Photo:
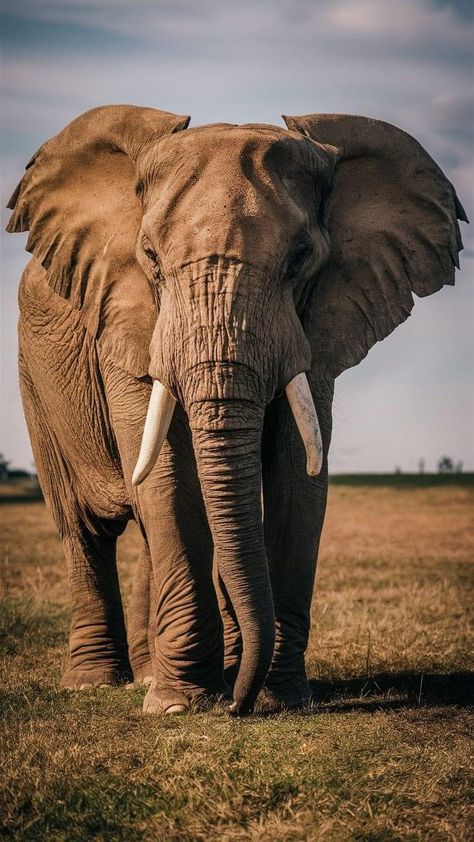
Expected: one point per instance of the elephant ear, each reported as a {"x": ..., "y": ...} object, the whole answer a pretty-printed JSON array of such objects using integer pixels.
[
  {"x": 78, "y": 201},
  {"x": 392, "y": 222}
]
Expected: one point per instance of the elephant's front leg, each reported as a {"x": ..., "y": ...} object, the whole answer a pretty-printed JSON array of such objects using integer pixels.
[
  {"x": 294, "y": 508},
  {"x": 140, "y": 642},
  {"x": 97, "y": 640},
  {"x": 188, "y": 661},
  {"x": 188, "y": 640}
]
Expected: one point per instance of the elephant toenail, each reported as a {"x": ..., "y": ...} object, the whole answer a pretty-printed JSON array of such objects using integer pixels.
[{"x": 176, "y": 709}]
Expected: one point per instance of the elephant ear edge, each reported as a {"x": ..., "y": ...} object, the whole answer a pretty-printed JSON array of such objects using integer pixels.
[
  {"x": 392, "y": 222},
  {"x": 78, "y": 201}
]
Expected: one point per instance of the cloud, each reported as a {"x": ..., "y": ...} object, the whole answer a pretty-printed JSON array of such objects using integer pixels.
[
  {"x": 408, "y": 25},
  {"x": 349, "y": 55},
  {"x": 406, "y": 22}
]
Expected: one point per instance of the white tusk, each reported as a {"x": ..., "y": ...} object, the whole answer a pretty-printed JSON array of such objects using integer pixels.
[
  {"x": 157, "y": 424},
  {"x": 304, "y": 412}
]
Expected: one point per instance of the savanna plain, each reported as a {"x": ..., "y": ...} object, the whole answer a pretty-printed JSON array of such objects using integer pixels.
[{"x": 382, "y": 755}]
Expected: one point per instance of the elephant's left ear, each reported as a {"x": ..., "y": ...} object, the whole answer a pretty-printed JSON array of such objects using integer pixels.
[{"x": 392, "y": 220}]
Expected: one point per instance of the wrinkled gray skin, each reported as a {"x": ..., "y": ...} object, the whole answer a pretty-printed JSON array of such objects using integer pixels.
[{"x": 223, "y": 261}]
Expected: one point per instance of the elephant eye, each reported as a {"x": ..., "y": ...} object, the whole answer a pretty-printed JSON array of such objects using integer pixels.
[
  {"x": 150, "y": 253},
  {"x": 296, "y": 259}
]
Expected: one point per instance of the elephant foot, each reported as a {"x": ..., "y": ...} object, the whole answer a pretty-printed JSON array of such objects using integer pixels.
[
  {"x": 142, "y": 675},
  {"x": 165, "y": 700},
  {"x": 278, "y": 694},
  {"x": 141, "y": 682},
  {"x": 272, "y": 701},
  {"x": 168, "y": 700},
  {"x": 81, "y": 678}
]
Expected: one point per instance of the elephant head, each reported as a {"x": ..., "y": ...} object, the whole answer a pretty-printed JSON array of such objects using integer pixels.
[{"x": 227, "y": 261}]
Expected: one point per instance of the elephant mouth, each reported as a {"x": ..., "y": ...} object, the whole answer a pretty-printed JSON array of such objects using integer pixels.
[{"x": 160, "y": 414}]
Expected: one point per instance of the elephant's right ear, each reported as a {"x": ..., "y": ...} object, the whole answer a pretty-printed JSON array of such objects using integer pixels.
[{"x": 78, "y": 200}]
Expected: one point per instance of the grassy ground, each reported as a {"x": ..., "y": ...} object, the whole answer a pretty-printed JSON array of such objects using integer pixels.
[
  {"x": 384, "y": 755},
  {"x": 20, "y": 491}
]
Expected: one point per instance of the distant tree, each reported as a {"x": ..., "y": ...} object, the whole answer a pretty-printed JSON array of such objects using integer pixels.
[
  {"x": 445, "y": 465},
  {"x": 459, "y": 467},
  {"x": 398, "y": 469},
  {"x": 4, "y": 467},
  {"x": 421, "y": 466},
  {"x": 19, "y": 473}
]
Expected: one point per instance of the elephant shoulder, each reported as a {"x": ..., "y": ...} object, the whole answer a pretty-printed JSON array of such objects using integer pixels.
[
  {"x": 127, "y": 315},
  {"x": 36, "y": 299}
]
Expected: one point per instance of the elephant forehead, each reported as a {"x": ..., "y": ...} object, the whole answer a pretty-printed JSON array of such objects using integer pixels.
[
  {"x": 243, "y": 191},
  {"x": 251, "y": 180},
  {"x": 235, "y": 156}
]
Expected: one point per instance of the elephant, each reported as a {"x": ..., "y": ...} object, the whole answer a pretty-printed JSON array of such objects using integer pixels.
[{"x": 192, "y": 295}]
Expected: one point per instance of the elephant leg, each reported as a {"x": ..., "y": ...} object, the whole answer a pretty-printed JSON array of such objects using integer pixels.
[
  {"x": 188, "y": 644},
  {"x": 186, "y": 627},
  {"x": 294, "y": 509},
  {"x": 139, "y": 615},
  {"x": 98, "y": 652},
  {"x": 97, "y": 640}
]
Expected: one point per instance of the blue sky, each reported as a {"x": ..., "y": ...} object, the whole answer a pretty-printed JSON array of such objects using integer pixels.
[{"x": 408, "y": 62}]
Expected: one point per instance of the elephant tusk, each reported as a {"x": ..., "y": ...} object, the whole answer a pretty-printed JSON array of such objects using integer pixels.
[
  {"x": 304, "y": 412},
  {"x": 157, "y": 424}
]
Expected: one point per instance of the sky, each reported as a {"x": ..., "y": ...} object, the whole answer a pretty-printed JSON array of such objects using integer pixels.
[{"x": 408, "y": 62}]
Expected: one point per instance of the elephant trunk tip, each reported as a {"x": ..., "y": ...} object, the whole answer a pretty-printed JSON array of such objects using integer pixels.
[{"x": 238, "y": 711}]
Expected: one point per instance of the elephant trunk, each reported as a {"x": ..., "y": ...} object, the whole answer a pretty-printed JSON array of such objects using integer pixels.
[{"x": 229, "y": 468}]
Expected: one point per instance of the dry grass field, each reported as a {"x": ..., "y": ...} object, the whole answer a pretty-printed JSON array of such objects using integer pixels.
[{"x": 383, "y": 755}]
